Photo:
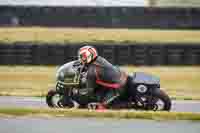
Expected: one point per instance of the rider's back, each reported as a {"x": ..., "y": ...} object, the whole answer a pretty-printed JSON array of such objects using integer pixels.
[{"x": 103, "y": 73}]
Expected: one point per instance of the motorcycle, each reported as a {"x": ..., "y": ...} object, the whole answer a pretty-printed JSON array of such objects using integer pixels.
[{"x": 143, "y": 91}]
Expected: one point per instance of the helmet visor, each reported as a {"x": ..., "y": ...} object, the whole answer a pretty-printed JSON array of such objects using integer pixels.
[{"x": 83, "y": 58}]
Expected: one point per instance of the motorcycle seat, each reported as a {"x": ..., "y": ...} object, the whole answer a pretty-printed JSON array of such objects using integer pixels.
[{"x": 144, "y": 78}]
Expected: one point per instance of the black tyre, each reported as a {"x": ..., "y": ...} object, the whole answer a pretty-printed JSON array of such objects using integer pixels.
[
  {"x": 55, "y": 100},
  {"x": 49, "y": 98},
  {"x": 160, "y": 95}
]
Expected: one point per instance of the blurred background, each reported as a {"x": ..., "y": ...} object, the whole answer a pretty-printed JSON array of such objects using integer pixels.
[{"x": 161, "y": 37}]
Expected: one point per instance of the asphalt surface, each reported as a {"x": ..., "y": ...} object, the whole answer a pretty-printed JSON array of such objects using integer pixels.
[
  {"x": 28, "y": 124},
  {"x": 92, "y": 125},
  {"x": 10, "y": 101}
]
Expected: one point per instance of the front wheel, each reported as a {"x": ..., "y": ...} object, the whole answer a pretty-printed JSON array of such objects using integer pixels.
[
  {"x": 52, "y": 98},
  {"x": 56, "y": 100}
]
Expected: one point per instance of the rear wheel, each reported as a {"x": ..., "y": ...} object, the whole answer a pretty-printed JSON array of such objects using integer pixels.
[
  {"x": 161, "y": 101},
  {"x": 158, "y": 101}
]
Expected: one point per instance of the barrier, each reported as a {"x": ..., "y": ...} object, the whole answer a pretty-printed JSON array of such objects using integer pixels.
[
  {"x": 112, "y": 17},
  {"x": 126, "y": 54}
]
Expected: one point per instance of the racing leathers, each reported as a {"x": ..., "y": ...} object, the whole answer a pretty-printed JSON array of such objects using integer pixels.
[{"x": 107, "y": 80}]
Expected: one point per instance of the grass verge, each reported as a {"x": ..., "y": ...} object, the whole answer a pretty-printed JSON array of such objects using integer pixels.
[
  {"x": 97, "y": 35},
  {"x": 125, "y": 114},
  {"x": 181, "y": 83}
]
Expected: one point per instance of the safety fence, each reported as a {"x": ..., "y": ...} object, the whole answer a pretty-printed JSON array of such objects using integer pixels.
[
  {"x": 126, "y": 54},
  {"x": 112, "y": 17}
]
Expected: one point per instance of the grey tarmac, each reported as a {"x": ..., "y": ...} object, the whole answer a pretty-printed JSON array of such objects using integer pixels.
[
  {"x": 92, "y": 125},
  {"x": 36, "y": 124},
  {"x": 13, "y": 101}
]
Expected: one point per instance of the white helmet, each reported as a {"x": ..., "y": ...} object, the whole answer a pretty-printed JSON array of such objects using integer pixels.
[{"x": 87, "y": 54}]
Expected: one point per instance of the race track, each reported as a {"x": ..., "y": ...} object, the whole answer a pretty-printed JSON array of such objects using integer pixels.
[
  {"x": 10, "y": 101},
  {"x": 91, "y": 125}
]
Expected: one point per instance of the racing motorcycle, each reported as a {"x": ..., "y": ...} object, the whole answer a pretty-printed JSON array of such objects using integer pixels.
[{"x": 143, "y": 91}]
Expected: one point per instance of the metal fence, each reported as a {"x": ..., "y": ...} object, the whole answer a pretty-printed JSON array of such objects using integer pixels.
[
  {"x": 116, "y": 17},
  {"x": 126, "y": 54}
]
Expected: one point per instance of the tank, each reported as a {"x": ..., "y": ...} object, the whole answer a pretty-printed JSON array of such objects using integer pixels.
[{"x": 68, "y": 73}]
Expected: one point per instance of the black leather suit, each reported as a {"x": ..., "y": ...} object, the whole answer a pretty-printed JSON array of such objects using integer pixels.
[{"x": 107, "y": 80}]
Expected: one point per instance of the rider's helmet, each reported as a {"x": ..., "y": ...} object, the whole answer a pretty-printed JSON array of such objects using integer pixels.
[{"x": 87, "y": 54}]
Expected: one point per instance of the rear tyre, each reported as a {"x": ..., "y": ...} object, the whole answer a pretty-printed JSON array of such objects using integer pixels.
[{"x": 161, "y": 96}]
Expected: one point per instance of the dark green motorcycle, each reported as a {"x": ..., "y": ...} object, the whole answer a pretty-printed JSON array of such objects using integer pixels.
[{"x": 143, "y": 91}]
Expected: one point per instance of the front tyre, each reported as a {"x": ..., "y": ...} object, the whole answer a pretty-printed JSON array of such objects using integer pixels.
[
  {"x": 161, "y": 101},
  {"x": 56, "y": 100},
  {"x": 52, "y": 99}
]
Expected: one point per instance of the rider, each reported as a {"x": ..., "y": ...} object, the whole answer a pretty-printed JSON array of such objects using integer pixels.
[{"x": 105, "y": 79}]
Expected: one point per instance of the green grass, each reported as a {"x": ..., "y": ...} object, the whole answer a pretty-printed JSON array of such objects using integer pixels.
[
  {"x": 125, "y": 114},
  {"x": 178, "y": 3},
  {"x": 77, "y": 35},
  {"x": 178, "y": 82}
]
